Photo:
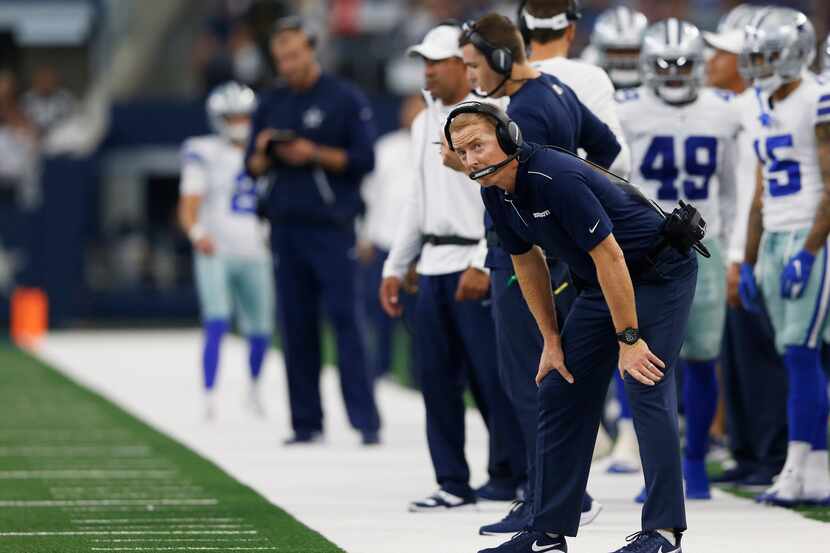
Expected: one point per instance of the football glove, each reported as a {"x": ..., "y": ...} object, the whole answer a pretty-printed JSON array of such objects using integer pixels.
[
  {"x": 796, "y": 274},
  {"x": 748, "y": 289}
]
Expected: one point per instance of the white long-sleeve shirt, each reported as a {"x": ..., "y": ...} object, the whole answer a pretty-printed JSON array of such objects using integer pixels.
[
  {"x": 745, "y": 173},
  {"x": 593, "y": 87},
  {"x": 442, "y": 202},
  {"x": 386, "y": 189}
]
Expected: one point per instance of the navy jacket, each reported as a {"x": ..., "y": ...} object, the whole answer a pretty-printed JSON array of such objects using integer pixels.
[
  {"x": 563, "y": 205},
  {"x": 332, "y": 113},
  {"x": 549, "y": 113}
]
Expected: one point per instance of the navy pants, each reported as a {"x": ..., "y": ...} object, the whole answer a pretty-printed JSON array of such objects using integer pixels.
[
  {"x": 754, "y": 384},
  {"x": 455, "y": 346},
  {"x": 569, "y": 414},
  {"x": 378, "y": 324},
  {"x": 316, "y": 269}
]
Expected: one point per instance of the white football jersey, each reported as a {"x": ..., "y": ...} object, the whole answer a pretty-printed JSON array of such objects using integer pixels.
[
  {"x": 593, "y": 87},
  {"x": 684, "y": 152},
  {"x": 783, "y": 137},
  {"x": 213, "y": 168}
]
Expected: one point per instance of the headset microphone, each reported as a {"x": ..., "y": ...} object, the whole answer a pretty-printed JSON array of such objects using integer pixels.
[{"x": 490, "y": 169}]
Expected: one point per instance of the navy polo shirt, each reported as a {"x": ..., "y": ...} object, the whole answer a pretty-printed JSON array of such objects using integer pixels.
[
  {"x": 332, "y": 113},
  {"x": 549, "y": 113},
  {"x": 567, "y": 208}
]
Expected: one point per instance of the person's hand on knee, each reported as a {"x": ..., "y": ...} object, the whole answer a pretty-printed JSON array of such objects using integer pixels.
[
  {"x": 638, "y": 361},
  {"x": 553, "y": 359}
]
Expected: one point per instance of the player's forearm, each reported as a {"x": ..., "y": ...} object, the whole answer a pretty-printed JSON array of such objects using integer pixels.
[
  {"x": 188, "y": 213},
  {"x": 615, "y": 282},
  {"x": 755, "y": 224},
  {"x": 258, "y": 164},
  {"x": 331, "y": 159},
  {"x": 534, "y": 281}
]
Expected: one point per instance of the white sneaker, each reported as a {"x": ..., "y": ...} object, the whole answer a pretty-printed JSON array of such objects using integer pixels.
[
  {"x": 603, "y": 446},
  {"x": 254, "y": 402},
  {"x": 588, "y": 516},
  {"x": 787, "y": 490},
  {"x": 210, "y": 406},
  {"x": 817, "y": 478},
  {"x": 625, "y": 459}
]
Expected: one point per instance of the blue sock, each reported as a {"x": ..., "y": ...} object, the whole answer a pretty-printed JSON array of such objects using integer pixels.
[
  {"x": 258, "y": 347},
  {"x": 214, "y": 330},
  {"x": 804, "y": 402},
  {"x": 820, "y": 440},
  {"x": 700, "y": 397},
  {"x": 625, "y": 407}
]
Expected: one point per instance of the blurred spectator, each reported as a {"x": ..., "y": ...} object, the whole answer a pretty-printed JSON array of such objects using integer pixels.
[
  {"x": 18, "y": 148},
  {"x": 384, "y": 192},
  {"x": 47, "y": 102}
]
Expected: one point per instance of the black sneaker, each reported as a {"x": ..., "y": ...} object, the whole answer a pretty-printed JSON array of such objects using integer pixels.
[
  {"x": 300, "y": 438},
  {"x": 531, "y": 542},
  {"x": 516, "y": 520},
  {"x": 441, "y": 502},
  {"x": 649, "y": 541}
]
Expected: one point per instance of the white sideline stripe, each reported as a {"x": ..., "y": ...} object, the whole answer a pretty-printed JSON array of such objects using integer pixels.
[
  {"x": 85, "y": 474},
  {"x": 154, "y": 521},
  {"x": 63, "y": 451},
  {"x": 104, "y": 502},
  {"x": 176, "y": 526},
  {"x": 184, "y": 548},
  {"x": 212, "y": 539},
  {"x": 47, "y": 533}
]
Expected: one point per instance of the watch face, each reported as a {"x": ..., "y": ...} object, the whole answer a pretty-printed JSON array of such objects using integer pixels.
[{"x": 630, "y": 335}]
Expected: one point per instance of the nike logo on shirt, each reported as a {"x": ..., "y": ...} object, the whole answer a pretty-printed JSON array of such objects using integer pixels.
[
  {"x": 593, "y": 228},
  {"x": 538, "y": 549}
]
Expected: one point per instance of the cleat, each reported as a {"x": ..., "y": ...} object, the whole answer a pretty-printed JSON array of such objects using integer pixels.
[
  {"x": 817, "y": 479},
  {"x": 625, "y": 459},
  {"x": 494, "y": 490},
  {"x": 786, "y": 492},
  {"x": 697, "y": 482},
  {"x": 441, "y": 502},
  {"x": 516, "y": 520},
  {"x": 531, "y": 542},
  {"x": 649, "y": 541},
  {"x": 304, "y": 438},
  {"x": 590, "y": 510},
  {"x": 370, "y": 437}
]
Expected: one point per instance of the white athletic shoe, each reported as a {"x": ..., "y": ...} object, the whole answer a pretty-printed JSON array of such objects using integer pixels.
[
  {"x": 588, "y": 516},
  {"x": 625, "y": 459},
  {"x": 603, "y": 446},
  {"x": 254, "y": 402},
  {"x": 210, "y": 406},
  {"x": 817, "y": 479},
  {"x": 787, "y": 491}
]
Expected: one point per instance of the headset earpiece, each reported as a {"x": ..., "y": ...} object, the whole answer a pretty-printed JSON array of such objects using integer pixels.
[{"x": 499, "y": 59}]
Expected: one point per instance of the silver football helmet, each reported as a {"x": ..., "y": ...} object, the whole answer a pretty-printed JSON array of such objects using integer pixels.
[
  {"x": 231, "y": 99},
  {"x": 616, "y": 38},
  {"x": 671, "y": 60},
  {"x": 779, "y": 45}
]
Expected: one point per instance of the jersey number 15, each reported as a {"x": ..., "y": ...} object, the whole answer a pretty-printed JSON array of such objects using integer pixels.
[
  {"x": 700, "y": 160},
  {"x": 788, "y": 171}
]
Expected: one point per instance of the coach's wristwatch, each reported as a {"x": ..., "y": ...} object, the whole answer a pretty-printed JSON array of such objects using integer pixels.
[{"x": 629, "y": 336}]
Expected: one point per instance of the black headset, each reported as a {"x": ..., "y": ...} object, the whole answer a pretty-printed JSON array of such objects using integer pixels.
[
  {"x": 295, "y": 23},
  {"x": 508, "y": 134},
  {"x": 499, "y": 58}
]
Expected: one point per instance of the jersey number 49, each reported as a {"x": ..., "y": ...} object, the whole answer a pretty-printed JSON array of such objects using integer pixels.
[{"x": 699, "y": 162}]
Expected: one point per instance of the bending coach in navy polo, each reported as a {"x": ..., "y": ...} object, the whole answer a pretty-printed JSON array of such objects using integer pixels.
[
  {"x": 631, "y": 313},
  {"x": 313, "y": 134}
]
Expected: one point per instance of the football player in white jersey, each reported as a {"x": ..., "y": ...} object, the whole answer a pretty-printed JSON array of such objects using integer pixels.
[
  {"x": 548, "y": 26},
  {"x": 217, "y": 210},
  {"x": 681, "y": 136},
  {"x": 616, "y": 39},
  {"x": 787, "y": 234}
]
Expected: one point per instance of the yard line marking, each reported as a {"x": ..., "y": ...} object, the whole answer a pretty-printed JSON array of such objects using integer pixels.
[
  {"x": 46, "y": 533},
  {"x": 160, "y": 521},
  {"x": 86, "y": 474},
  {"x": 185, "y": 548},
  {"x": 106, "y": 502},
  {"x": 65, "y": 451},
  {"x": 212, "y": 539}
]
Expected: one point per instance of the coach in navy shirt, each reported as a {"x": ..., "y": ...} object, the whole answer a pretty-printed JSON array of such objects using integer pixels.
[
  {"x": 312, "y": 134},
  {"x": 631, "y": 314}
]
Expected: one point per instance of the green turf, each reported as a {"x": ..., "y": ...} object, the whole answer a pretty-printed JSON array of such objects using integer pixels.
[
  {"x": 817, "y": 513},
  {"x": 119, "y": 485}
]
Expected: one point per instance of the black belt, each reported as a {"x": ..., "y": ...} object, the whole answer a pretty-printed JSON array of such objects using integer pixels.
[{"x": 449, "y": 240}]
